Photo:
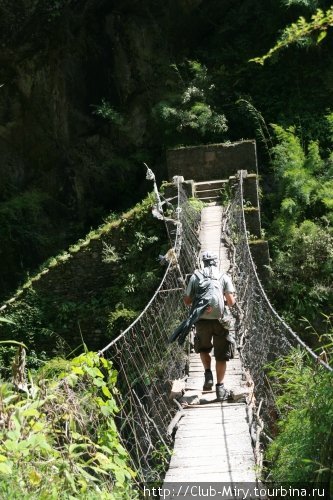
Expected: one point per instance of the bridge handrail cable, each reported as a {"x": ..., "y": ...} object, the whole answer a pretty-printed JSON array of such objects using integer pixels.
[
  {"x": 145, "y": 362},
  {"x": 298, "y": 340}
]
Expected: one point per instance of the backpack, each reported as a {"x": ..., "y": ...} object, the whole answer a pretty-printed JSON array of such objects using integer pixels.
[
  {"x": 209, "y": 292},
  {"x": 208, "y": 300}
]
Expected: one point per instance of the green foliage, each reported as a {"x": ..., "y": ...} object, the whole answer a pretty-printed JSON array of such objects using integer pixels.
[
  {"x": 297, "y": 171},
  {"x": 302, "y": 238},
  {"x": 109, "y": 253},
  {"x": 189, "y": 112},
  {"x": 304, "y": 178},
  {"x": 24, "y": 231},
  {"x": 28, "y": 324},
  {"x": 120, "y": 319},
  {"x": 59, "y": 440},
  {"x": 302, "y": 450},
  {"x": 160, "y": 460},
  {"x": 303, "y": 271},
  {"x": 300, "y": 31},
  {"x": 306, "y": 3},
  {"x": 133, "y": 294},
  {"x": 262, "y": 130},
  {"x": 106, "y": 111},
  {"x": 52, "y": 322},
  {"x": 141, "y": 240},
  {"x": 197, "y": 204},
  {"x": 55, "y": 8}
]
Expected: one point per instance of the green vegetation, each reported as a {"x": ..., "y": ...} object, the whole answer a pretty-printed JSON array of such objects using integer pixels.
[
  {"x": 302, "y": 450},
  {"x": 74, "y": 142},
  {"x": 197, "y": 204},
  {"x": 25, "y": 231},
  {"x": 79, "y": 116},
  {"x": 106, "y": 111},
  {"x": 58, "y": 439},
  {"x": 57, "y": 318},
  {"x": 187, "y": 113},
  {"x": 301, "y": 233},
  {"x": 302, "y": 32},
  {"x": 301, "y": 242}
]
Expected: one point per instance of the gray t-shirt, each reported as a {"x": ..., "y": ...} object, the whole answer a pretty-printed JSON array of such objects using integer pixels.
[{"x": 226, "y": 286}]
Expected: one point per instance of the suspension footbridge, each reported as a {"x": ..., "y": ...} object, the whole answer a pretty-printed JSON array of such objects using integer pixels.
[
  {"x": 212, "y": 442},
  {"x": 220, "y": 442}
]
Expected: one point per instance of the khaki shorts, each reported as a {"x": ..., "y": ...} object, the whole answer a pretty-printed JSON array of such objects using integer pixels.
[{"x": 210, "y": 333}]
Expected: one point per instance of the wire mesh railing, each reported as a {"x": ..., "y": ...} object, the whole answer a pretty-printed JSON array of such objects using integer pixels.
[
  {"x": 145, "y": 361},
  {"x": 262, "y": 334}
]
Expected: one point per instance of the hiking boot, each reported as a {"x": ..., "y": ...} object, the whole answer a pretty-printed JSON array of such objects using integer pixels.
[
  {"x": 208, "y": 384},
  {"x": 222, "y": 394}
]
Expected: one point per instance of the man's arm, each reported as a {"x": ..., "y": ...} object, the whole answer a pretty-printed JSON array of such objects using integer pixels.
[
  {"x": 230, "y": 298},
  {"x": 187, "y": 300},
  {"x": 190, "y": 291},
  {"x": 229, "y": 290}
]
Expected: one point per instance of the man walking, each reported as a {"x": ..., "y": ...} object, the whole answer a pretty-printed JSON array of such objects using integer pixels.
[{"x": 210, "y": 331}]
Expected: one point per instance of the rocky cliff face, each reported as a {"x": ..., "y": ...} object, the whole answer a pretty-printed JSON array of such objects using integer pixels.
[{"x": 61, "y": 163}]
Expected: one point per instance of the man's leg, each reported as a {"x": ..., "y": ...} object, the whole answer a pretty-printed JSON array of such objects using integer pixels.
[
  {"x": 221, "y": 367},
  {"x": 205, "y": 345},
  {"x": 221, "y": 392},
  {"x": 221, "y": 357},
  {"x": 206, "y": 360}
]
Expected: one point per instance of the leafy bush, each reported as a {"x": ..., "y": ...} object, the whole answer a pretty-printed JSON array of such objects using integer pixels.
[
  {"x": 28, "y": 323},
  {"x": 301, "y": 235},
  {"x": 303, "y": 268},
  {"x": 120, "y": 319},
  {"x": 25, "y": 232},
  {"x": 302, "y": 450},
  {"x": 188, "y": 114},
  {"x": 59, "y": 439},
  {"x": 106, "y": 111},
  {"x": 47, "y": 320}
]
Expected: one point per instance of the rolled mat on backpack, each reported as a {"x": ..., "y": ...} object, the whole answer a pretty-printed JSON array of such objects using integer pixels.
[{"x": 184, "y": 328}]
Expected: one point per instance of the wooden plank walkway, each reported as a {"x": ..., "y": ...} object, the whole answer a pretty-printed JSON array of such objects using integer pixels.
[{"x": 212, "y": 443}]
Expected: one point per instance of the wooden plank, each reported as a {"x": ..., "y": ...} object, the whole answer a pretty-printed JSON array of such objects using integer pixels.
[
  {"x": 219, "y": 438},
  {"x": 226, "y": 444},
  {"x": 214, "y": 441},
  {"x": 227, "y": 427},
  {"x": 223, "y": 425},
  {"x": 202, "y": 472},
  {"x": 217, "y": 462},
  {"x": 197, "y": 419},
  {"x": 215, "y": 427},
  {"x": 221, "y": 448},
  {"x": 198, "y": 378},
  {"x": 198, "y": 371},
  {"x": 201, "y": 415},
  {"x": 202, "y": 432},
  {"x": 218, "y": 411},
  {"x": 209, "y": 474},
  {"x": 229, "y": 430},
  {"x": 199, "y": 368},
  {"x": 237, "y": 476},
  {"x": 213, "y": 403},
  {"x": 213, "y": 463}
]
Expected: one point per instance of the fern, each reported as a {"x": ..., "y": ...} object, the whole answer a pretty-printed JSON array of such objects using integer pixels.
[{"x": 301, "y": 450}]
